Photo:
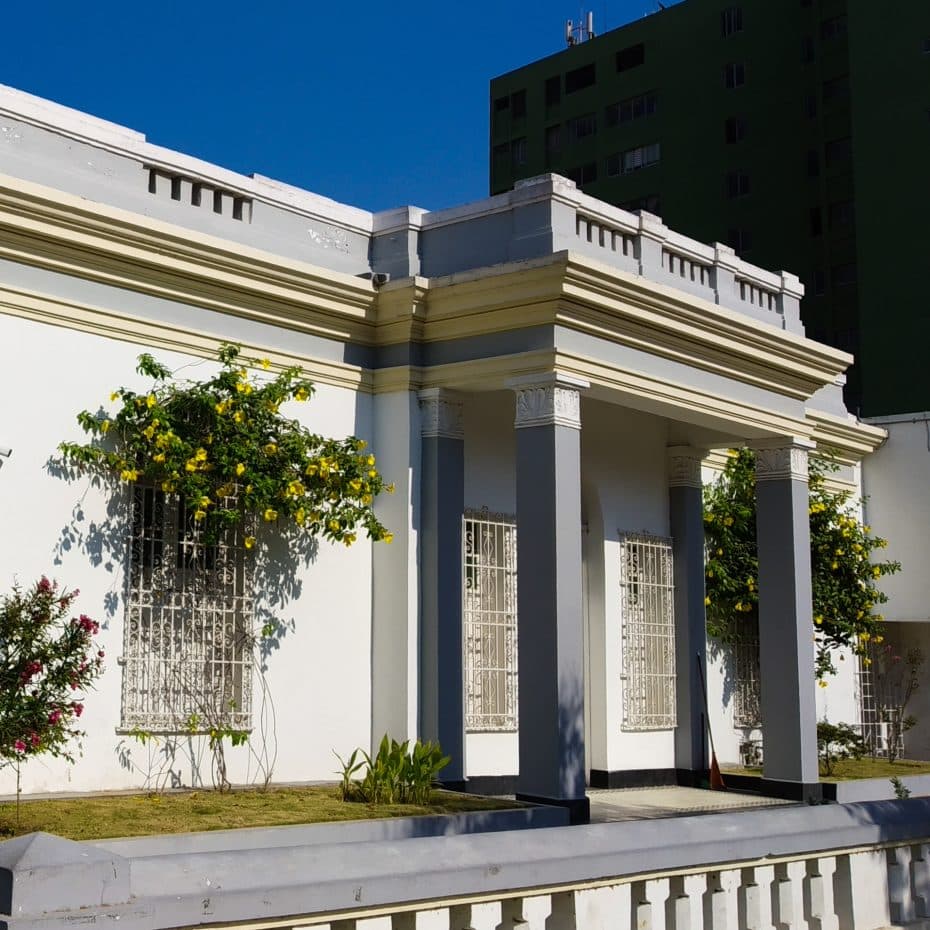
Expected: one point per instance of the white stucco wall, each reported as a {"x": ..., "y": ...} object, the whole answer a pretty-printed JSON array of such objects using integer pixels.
[
  {"x": 318, "y": 678},
  {"x": 896, "y": 480}
]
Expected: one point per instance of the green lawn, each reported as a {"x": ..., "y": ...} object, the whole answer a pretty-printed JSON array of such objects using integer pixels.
[
  {"x": 100, "y": 816},
  {"x": 850, "y": 769}
]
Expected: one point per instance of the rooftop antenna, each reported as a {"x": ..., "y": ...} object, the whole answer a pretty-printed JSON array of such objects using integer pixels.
[{"x": 582, "y": 31}]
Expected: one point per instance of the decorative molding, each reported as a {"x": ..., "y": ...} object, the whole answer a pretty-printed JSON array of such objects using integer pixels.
[
  {"x": 441, "y": 415},
  {"x": 551, "y": 404},
  {"x": 684, "y": 466},
  {"x": 778, "y": 463}
]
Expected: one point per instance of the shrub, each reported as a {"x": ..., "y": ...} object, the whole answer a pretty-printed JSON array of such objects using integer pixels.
[
  {"x": 398, "y": 773},
  {"x": 837, "y": 741},
  {"x": 47, "y": 661}
]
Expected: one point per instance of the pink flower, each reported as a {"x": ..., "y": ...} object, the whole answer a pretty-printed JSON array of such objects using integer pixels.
[
  {"x": 100, "y": 653},
  {"x": 19, "y": 746},
  {"x": 34, "y": 739},
  {"x": 78, "y": 708},
  {"x": 44, "y": 585},
  {"x": 54, "y": 716}
]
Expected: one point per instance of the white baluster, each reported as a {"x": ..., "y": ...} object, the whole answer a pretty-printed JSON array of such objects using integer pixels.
[
  {"x": 899, "y": 885},
  {"x": 861, "y": 889},
  {"x": 373, "y": 923},
  {"x": 683, "y": 910},
  {"x": 483, "y": 916},
  {"x": 606, "y": 908},
  {"x": 920, "y": 876},
  {"x": 562, "y": 915},
  {"x": 789, "y": 896},
  {"x": 819, "y": 907},
  {"x": 721, "y": 907}
]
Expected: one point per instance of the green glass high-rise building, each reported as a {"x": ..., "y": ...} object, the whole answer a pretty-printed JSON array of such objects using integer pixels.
[{"x": 796, "y": 131}]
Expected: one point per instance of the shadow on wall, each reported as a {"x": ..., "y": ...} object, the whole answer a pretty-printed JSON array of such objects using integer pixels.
[{"x": 571, "y": 742}]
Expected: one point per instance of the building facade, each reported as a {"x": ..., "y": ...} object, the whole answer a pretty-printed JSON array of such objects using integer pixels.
[
  {"x": 797, "y": 133},
  {"x": 540, "y": 373}
]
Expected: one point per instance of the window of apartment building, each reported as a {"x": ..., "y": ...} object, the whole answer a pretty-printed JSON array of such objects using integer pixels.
[
  {"x": 187, "y": 639},
  {"x": 734, "y": 74},
  {"x": 734, "y": 130},
  {"x": 500, "y": 156},
  {"x": 583, "y": 174},
  {"x": 843, "y": 275},
  {"x": 731, "y": 20},
  {"x": 489, "y": 618},
  {"x": 740, "y": 240},
  {"x": 810, "y": 106},
  {"x": 813, "y": 163},
  {"x": 632, "y": 108},
  {"x": 633, "y": 159},
  {"x": 841, "y": 214},
  {"x": 501, "y": 103},
  {"x": 736, "y": 184},
  {"x": 833, "y": 28},
  {"x": 838, "y": 151},
  {"x": 553, "y": 141},
  {"x": 582, "y": 126},
  {"x": 553, "y": 90},
  {"x": 816, "y": 221},
  {"x": 631, "y": 57},
  {"x": 808, "y": 50},
  {"x": 651, "y": 203},
  {"x": 647, "y": 632},
  {"x": 518, "y": 104},
  {"x": 580, "y": 78},
  {"x": 836, "y": 89},
  {"x": 518, "y": 152}
]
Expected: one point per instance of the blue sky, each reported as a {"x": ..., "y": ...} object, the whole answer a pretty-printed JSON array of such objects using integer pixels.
[{"x": 373, "y": 104}]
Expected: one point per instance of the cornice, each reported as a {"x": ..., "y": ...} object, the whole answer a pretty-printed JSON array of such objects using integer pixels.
[
  {"x": 848, "y": 440},
  {"x": 56, "y": 231},
  {"x": 99, "y": 321}
]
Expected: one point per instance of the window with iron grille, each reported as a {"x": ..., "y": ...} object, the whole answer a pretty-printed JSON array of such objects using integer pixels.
[
  {"x": 747, "y": 696},
  {"x": 648, "y": 632},
  {"x": 187, "y": 644},
  {"x": 489, "y": 615}
]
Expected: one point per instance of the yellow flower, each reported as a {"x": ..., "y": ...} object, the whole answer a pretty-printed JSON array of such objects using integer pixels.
[
  {"x": 239, "y": 417},
  {"x": 818, "y": 619},
  {"x": 876, "y": 571},
  {"x": 222, "y": 406},
  {"x": 878, "y": 639},
  {"x": 311, "y": 469},
  {"x": 821, "y": 683},
  {"x": 834, "y": 565},
  {"x": 867, "y": 662},
  {"x": 200, "y": 455},
  {"x": 348, "y": 539},
  {"x": 707, "y": 602},
  {"x": 265, "y": 363},
  {"x": 148, "y": 432},
  {"x": 240, "y": 468},
  {"x": 301, "y": 394},
  {"x": 728, "y": 521},
  {"x": 190, "y": 465},
  {"x": 708, "y": 518},
  {"x": 158, "y": 457},
  {"x": 865, "y": 637},
  {"x": 205, "y": 501},
  {"x": 150, "y": 401},
  {"x": 129, "y": 474},
  {"x": 366, "y": 499},
  {"x": 199, "y": 514},
  {"x": 356, "y": 485},
  {"x": 243, "y": 374},
  {"x": 390, "y": 488},
  {"x": 334, "y": 525},
  {"x": 249, "y": 542},
  {"x": 270, "y": 448},
  {"x": 867, "y": 529},
  {"x": 168, "y": 486},
  {"x": 105, "y": 427},
  {"x": 720, "y": 552},
  {"x": 300, "y": 516},
  {"x": 388, "y": 537},
  {"x": 295, "y": 488},
  {"x": 243, "y": 387},
  {"x": 362, "y": 445},
  {"x": 370, "y": 460},
  {"x": 270, "y": 514},
  {"x": 372, "y": 473},
  {"x": 114, "y": 395}
]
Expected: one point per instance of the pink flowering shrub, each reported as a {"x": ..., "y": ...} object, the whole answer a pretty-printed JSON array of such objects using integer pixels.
[{"x": 48, "y": 659}]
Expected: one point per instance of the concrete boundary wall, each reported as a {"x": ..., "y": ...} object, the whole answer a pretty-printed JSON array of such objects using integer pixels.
[{"x": 863, "y": 864}]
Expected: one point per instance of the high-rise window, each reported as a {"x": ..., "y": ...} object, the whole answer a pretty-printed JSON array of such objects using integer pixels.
[
  {"x": 737, "y": 184},
  {"x": 553, "y": 142},
  {"x": 630, "y": 109},
  {"x": 580, "y": 78},
  {"x": 833, "y": 28},
  {"x": 734, "y": 130},
  {"x": 631, "y": 57},
  {"x": 518, "y": 104},
  {"x": 553, "y": 90},
  {"x": 731, "y": 20},
  {"x": 518, "y": 152},
  {"x": 734, "y": 74},
  {"x": 633, "y": 159},
  {"x": 582, "y": 126}
]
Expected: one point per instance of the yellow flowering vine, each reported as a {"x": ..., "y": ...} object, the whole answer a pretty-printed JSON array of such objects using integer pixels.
[
  {"x": 844, "y": 570},
  {"x": 224, "y": 447}
]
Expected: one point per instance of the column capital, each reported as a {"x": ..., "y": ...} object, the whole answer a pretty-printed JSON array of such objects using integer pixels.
[
  {"x": 441, "y": 414},
  {"x": 780, "y": 459},
  {"x": 550, "y": 399},
  {"x": 684, "y": 466}
]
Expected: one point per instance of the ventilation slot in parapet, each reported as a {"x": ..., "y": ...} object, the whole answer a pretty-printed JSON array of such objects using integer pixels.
[{"x": 199, "y": 195}]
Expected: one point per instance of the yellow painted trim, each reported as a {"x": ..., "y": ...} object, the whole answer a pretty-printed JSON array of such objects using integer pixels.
[{"x": 98, "y": 321}]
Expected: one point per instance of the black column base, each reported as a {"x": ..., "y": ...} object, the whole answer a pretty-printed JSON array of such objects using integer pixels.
[
  {"x": 453, "y": 784},
  {"x": 579, "y": 809},
  {"x": 807, "y": 792}
]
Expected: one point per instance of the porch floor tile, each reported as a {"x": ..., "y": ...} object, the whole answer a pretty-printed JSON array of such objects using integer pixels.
[{"x": 610, "y": 805}]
